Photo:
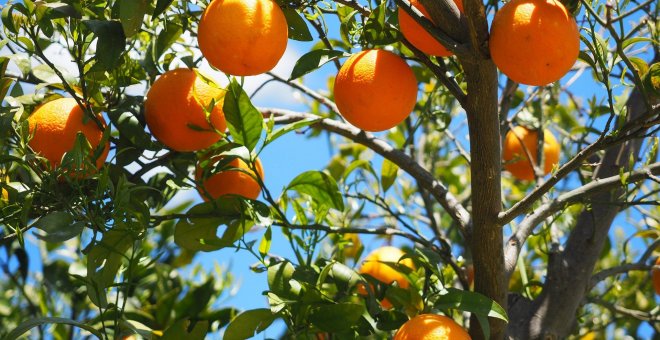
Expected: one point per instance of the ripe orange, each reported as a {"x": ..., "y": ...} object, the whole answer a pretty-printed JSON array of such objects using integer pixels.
[
  {"x": 534, "y": 42},
  {"x": 231, "y": 181},
  {"x": 375, "y": 90},
  {"x": 243, "y": 37},
  {"x": 351, "y": 250},
  {"x": 655, "y": 273},
  {"x": 5, "y": 193},
  {"x": 418, "y": 36},
  {"x": 431, "y": 327},
  {"x": 515, "y": 155},
  {"x": 55, "y": 126},
  {"x": 175, "y": 111},
  {"x": 382, "y": 272}
]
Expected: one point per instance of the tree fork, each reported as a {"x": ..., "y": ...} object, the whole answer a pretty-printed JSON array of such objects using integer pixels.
[
  {"x": 481, "y": 106},
  {"x": 552, "y": 315}
]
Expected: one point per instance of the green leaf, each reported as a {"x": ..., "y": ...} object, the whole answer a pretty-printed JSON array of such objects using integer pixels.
[
  {"x": 246, "y": 324},
  {"x": 320, "y": 187},
  {"x": 129, "y": 127},
  {"x": 280, "y": 280},
  {"x": 58, "y": 226},
  {"x": 390, "y": 320},
  {"x": 103, "y": 262},
  {"x": 4, "y": 62},
  {"x": 180, "y": 331},
  {"x": 60, "y": 10},
  {"x": 298, "y": 29},
  {"x": 639, "y": 64},
  {"x": 111, "y": 41},
  {"x": 377, "y": 30},
  {"x": 29, "y": 324},
  {"x": 245, "y": 122},
  {"x": 336, "y": 317},
  {"x": 651, "y": 80},
  {"x": 161, "y": 7},
  {"x": 634, "y": 40},
  {"x": 199, "y": 231},
  {"x": 475, "y": 303},
  {"x": 44, "y": 73},
  {"x": 14, "y": 21},
  {"x": 5, "y": 84},
  {"x": 388, "y": 174},
  {"x": 264, "y": 245},
  {"x": 313, "y": 60},
  {"x": 290, "y": 127},
  {"x": 344, "y": 274},
  {"x": 131, "y": 15},
  {"x": 196, "y": 300}
]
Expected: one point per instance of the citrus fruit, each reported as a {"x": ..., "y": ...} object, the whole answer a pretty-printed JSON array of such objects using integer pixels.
[
  {"x": 352, "y": 249},
  {"x": 375, "y": 90},
  {"x": 418, "y": 36},
  {"x": 175, "y": 110},
  {"x": 55, "y": 126},
  {"x": 236, "y": 178},
  {"x": 5, "y": 193},
  {"x": 374, "y": 266},
  {"x": 431, "y": 327},
  {"x": 515, "y": 153},
  {"x": 655, "y": 273},
  {"x": 243, "y": 37},
  {"x": 534, "y": 42}
]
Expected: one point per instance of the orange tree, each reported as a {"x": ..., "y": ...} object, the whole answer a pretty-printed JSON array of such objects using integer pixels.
[{"x": 545, "y": 256}]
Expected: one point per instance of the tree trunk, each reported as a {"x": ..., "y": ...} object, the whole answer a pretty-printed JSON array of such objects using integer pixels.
[{"x": 552, "y": 315}]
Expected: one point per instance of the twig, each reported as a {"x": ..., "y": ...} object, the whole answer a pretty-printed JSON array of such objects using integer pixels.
[
  {"x": 405, "y": 162},
  {"x": 624, "y": 268},
  {"x": 514, "y": 245}
]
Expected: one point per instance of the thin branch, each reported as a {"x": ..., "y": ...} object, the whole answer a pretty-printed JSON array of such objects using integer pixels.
[
  {"x": 640, "y": 265},
  {"x": 405, "y": 162},
  {"x": 637, "y": 314},
  {"x": 526, "y": 203},
  {"x": 311, "y": 93},
  {"x": 514, "y": 245}
]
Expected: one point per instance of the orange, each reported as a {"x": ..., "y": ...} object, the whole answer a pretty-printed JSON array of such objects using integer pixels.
[
  {"x": 418, "y": 36},
  {"x": 374, "y": 266},
  {"x": 55, "y": 126},
  {"x": 655, "y": 273},
  {"x": 431, "y": 327},
  {"x": 351, "y": 249},
  {"x": 534, "y": 42},
  {"x": 231, "y": 181},
  {"x": 243, "y": 37},
  {"x": 175, "y": 110},
  {"x": 515, "y": 155},
  {"x": 375, "y": 90},
  {"x": 5, "y": 193}
]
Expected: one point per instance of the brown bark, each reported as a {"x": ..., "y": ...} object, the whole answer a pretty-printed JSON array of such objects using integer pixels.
[
  {"x": 486, "y": 242},
  {"x": 484, "y": 126},
  {"x": 481, "y": 106},
  {"x": 553, "y": 314}
]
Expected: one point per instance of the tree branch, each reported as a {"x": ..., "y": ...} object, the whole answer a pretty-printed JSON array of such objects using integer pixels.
[
  {"x": 481, "y": 107},
  {"x": 405, "y": 162},
  {"x": 637, "y": 314},
  {"x": 516, "y": 241},
  {"x": 625, "y": 268},
  {"x": 630, "y": 131}
]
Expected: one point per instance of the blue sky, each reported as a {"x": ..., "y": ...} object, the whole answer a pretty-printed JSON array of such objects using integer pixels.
[{"x": 283, "y": 160}]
